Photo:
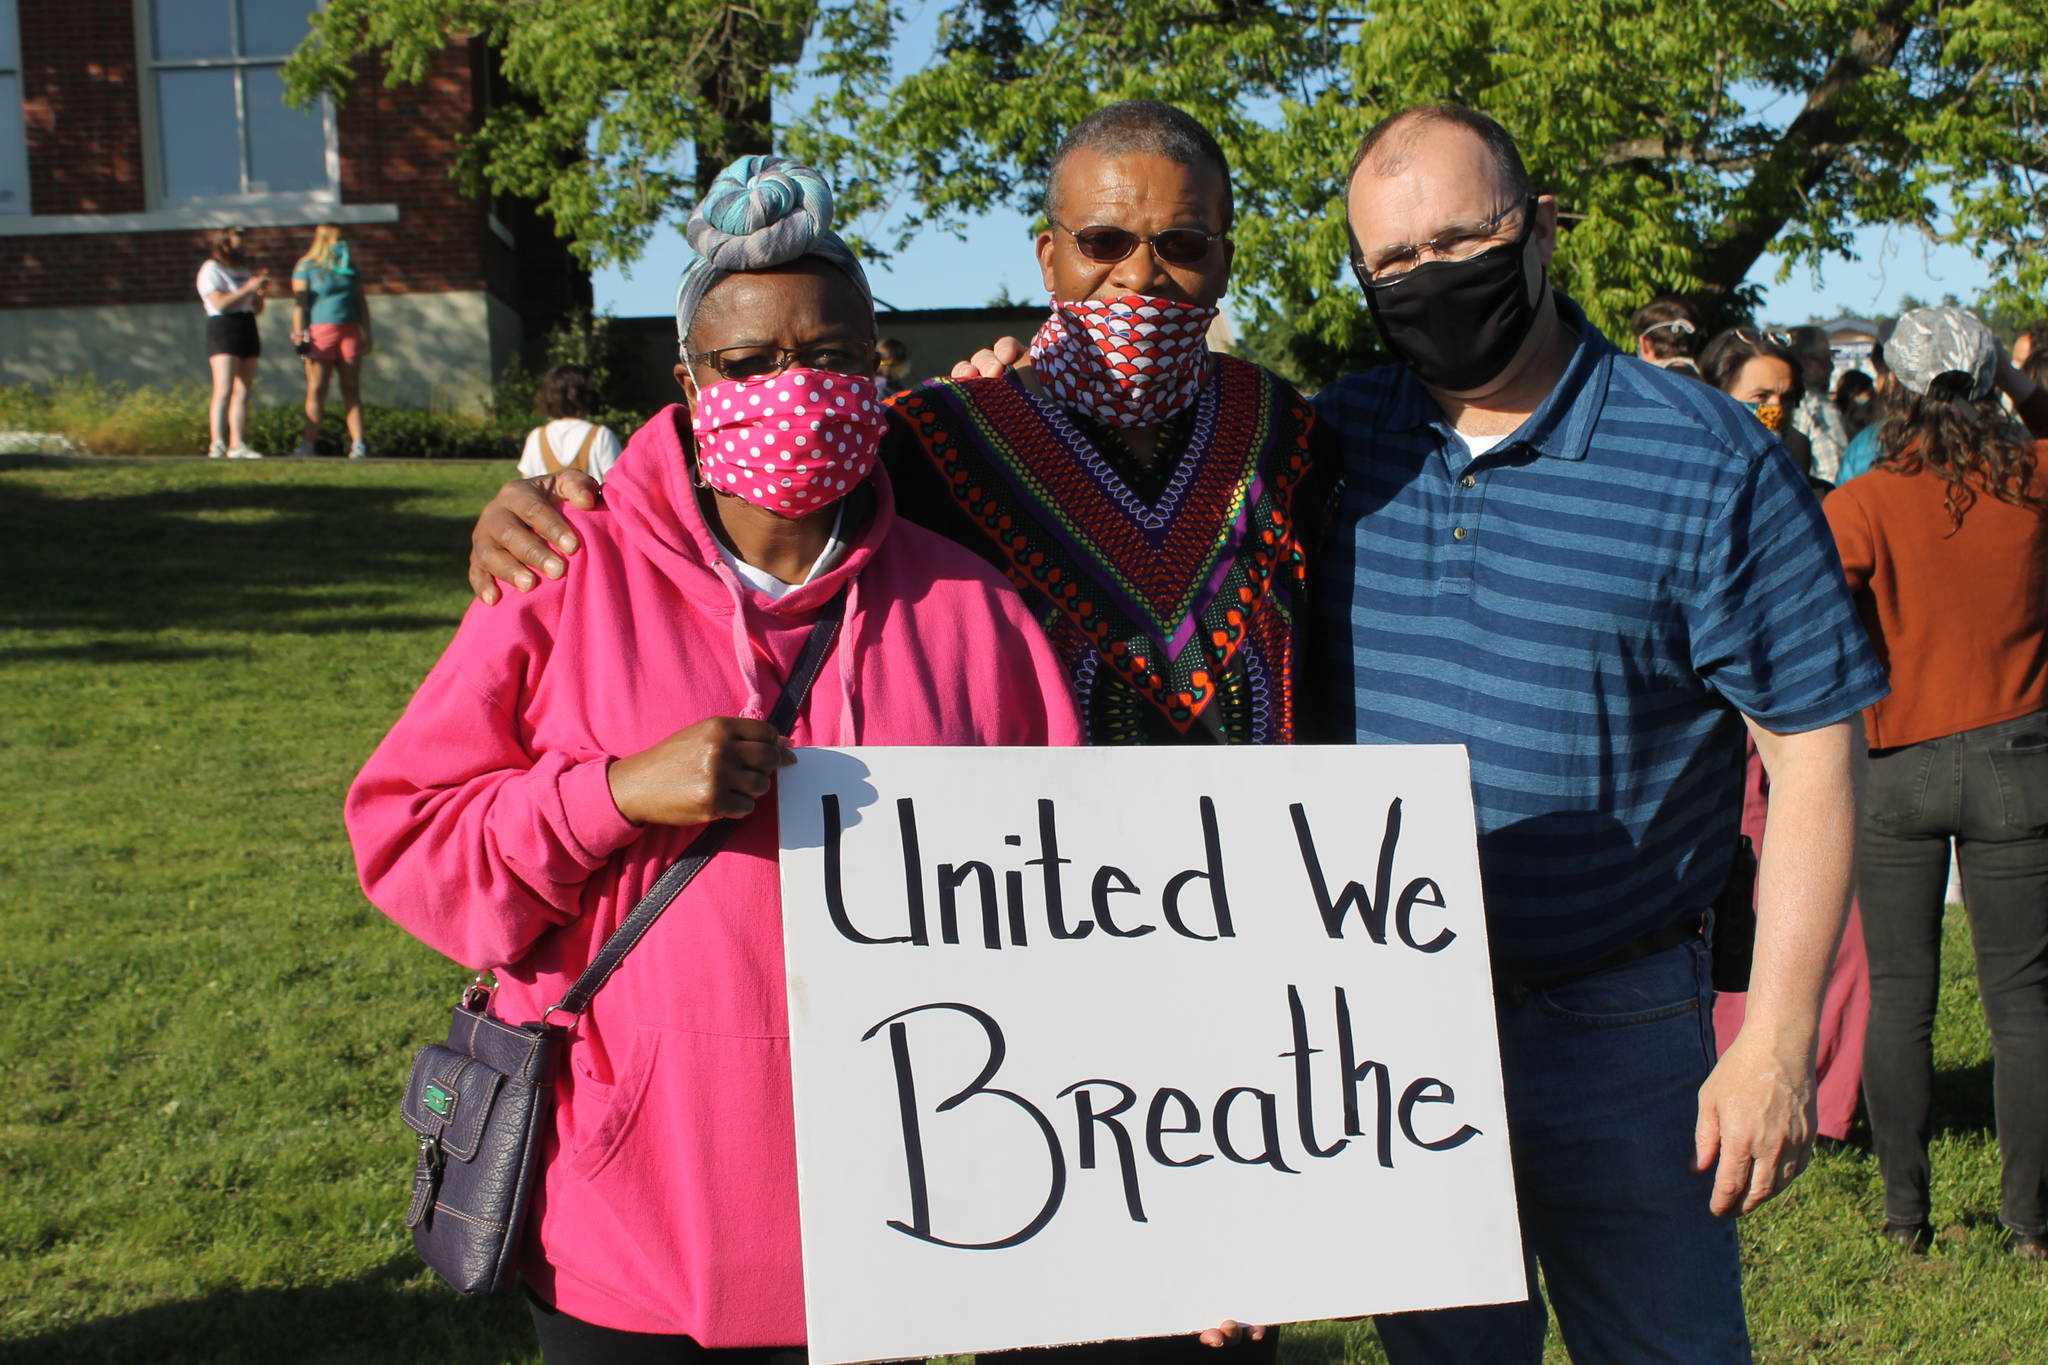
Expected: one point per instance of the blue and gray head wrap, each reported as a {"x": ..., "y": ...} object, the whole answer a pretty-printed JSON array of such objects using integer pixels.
[{"x": 761, "y": 212}]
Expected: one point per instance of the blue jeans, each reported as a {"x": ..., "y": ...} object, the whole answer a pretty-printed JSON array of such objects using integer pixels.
[{"x": 1603, "y": 1076}]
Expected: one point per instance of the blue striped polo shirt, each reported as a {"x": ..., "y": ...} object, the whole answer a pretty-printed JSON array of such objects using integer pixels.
[{"x": 1587, "y": 607}]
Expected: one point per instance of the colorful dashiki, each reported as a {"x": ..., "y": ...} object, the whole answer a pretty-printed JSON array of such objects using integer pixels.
[{"x": 1174, "y": 594}]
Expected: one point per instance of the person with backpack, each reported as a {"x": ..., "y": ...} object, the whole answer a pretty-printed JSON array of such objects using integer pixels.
[{"x": 568, "y": 398}]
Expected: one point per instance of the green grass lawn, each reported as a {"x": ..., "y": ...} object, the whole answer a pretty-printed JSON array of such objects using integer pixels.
[{"x": 206, "y": 1027}]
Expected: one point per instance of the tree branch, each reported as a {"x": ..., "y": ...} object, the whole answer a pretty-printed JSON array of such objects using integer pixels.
[{"x": 1809, "y": 148}]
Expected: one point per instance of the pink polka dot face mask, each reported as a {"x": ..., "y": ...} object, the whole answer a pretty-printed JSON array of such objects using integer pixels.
[{"x": 793, "y": 442}]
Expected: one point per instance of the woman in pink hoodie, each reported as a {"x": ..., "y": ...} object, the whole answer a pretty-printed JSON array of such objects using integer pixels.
[{"x": 569, "y": 746}]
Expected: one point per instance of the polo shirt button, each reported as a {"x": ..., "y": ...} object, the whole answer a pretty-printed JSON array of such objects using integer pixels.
[
  {"x": 1458, "y": 533},
  {"x": 1469, "y": 482}
]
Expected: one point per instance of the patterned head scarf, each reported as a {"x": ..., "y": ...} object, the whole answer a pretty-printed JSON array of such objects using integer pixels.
[
  {"x": 761, "y": 212},
  {"x": 1943, "y": 348}
]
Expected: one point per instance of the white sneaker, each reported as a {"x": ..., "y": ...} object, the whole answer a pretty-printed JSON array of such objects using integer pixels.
[
  {"x": 216, "y": 451},
  {"x": 244, "y": 453},
  {"x": 303, "y": 451},
  {"x": 359, "y": 451}
]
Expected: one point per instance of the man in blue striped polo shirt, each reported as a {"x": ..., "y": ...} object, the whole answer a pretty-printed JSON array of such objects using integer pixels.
[{"x": 1594, "y": 574}]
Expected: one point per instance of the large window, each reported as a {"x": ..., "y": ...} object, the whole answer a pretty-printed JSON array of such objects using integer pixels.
[
  {"x": 223, "y": 129},
  {"x": 13, "y": 134}
]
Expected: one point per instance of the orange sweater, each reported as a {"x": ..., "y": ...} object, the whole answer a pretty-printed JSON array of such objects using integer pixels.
[{"x": 1960, "y": 617}]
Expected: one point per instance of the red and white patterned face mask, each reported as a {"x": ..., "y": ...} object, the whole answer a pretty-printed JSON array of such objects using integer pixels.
[
  {"x": 1131, "y": 361},
  {"x": 793, "y": 442}
]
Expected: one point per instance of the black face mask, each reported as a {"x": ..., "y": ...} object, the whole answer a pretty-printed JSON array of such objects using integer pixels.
[{"x": 1457, "y": 324}]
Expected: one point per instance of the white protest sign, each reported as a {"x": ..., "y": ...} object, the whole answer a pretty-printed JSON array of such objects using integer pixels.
[{"x": 1097, "y": 1043}]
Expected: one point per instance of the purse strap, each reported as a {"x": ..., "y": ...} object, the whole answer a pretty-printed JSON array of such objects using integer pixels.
[{"x": 707, "y": 844}]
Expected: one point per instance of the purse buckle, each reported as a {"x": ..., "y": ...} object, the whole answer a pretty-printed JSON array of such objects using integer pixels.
[
  {"x": 476, "y": 996},
  {"x": 426, "y": 1182}
]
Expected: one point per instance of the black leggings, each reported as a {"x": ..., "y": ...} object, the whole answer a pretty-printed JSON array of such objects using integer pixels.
[
  {"x": 1987, "y": 790},
  {"x": 571, "y": 1341}
]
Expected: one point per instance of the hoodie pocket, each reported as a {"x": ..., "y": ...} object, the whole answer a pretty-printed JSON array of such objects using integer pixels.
[{"x": 685, "y": 1192}]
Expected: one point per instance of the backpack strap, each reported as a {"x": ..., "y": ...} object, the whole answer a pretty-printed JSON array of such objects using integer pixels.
[{"x": 547, "y": 450}]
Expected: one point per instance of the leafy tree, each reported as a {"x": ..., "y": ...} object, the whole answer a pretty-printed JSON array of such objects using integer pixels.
[
  {"x": 595, "y": 102},
  {"x": 1683, "y": 141},
  {"x": 2009, "y": 317},
  {"x": 1657, "y": 124}
]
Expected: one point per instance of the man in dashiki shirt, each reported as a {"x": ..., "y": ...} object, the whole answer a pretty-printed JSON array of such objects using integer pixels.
[{"x": 1156, "y": 502}]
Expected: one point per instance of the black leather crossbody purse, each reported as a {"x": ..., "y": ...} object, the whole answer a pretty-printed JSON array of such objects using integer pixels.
[{"x": 481, "y": 1102}]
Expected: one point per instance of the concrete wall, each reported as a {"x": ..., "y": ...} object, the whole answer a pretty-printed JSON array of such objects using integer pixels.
[
  {"x": 939, "y": 338},
  {"x": 433, "y": 350}
]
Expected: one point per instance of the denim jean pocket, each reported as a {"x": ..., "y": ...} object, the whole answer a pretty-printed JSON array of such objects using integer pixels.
[
  {"x": 1897, "y": 799},
  {"x": 2020, "y": 765},
  {"x": 1661, "y": 986}
]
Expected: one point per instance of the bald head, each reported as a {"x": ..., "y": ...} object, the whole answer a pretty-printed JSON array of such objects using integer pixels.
[{"x": 1394, "y": 142}]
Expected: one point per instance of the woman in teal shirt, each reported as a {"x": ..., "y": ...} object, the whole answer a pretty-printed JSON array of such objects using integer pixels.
[{"x": 331, "y": 328}]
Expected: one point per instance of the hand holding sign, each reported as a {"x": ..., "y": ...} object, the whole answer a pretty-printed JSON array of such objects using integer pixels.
[{"x": 1230, "y": 1333}]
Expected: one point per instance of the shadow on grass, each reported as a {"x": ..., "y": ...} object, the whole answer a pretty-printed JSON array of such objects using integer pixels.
[
  {"x": 385, "y": 1316},
  {"x": 113, "y": 652},
  {"x": 300, "y": 558},
  {"x": 1962, "y": 1100}
]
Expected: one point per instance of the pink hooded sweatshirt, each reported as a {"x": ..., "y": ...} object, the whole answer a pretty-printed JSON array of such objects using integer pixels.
[{"x": 484, "y": 825}]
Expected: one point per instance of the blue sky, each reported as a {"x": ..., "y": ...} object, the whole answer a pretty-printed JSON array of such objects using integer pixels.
[{"x": 939, "y": 270}]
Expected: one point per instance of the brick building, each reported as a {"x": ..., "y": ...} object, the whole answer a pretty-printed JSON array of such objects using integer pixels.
[{"x": 131, "y": 129}]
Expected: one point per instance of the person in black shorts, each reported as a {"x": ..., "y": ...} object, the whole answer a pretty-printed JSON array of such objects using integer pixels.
[{"x": 233, "y": 296}]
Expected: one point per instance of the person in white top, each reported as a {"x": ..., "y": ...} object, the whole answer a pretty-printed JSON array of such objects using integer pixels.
[
  {"x": 233, "y": 295},
  {"x": 568, "y": 397}
]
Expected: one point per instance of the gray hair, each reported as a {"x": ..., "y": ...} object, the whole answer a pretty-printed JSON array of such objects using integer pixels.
[{"x": 1144, "y": 128}]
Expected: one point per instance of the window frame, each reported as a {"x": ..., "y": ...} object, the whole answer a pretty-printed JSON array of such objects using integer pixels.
[
  {"x": 10, "y": 33},
  {"x": 156, "y": 193}
]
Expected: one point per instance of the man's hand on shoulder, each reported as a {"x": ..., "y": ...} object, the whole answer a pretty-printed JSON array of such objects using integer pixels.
[
  {"x": 520, "y": 531},
  {"x": 993, "y": 362}
]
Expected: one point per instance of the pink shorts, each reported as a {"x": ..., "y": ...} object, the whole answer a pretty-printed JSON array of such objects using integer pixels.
[{"x": 334, "y": 341}]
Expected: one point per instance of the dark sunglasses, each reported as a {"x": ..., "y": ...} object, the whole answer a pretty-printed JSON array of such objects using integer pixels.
[{"x": 1107, "y": 245}]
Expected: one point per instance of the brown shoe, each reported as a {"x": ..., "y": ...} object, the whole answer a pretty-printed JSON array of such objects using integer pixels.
[{"x": 2029, "y": 1246}]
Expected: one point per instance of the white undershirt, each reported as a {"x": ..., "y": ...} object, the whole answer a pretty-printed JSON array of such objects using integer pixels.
[
  {"x": 1474, "y": 447},
  {"x": 773, "y": 588}
]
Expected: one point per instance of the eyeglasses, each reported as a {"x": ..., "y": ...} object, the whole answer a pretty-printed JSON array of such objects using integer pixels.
[
  {"x": 1107, "y": 245},
  {"x": 853, "y": 356},
  {"x": 1458, "y": 242}
]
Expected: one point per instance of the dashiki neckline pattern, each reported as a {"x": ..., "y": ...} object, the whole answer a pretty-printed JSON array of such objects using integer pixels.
[{"x": 1178, "y": 618}]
